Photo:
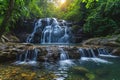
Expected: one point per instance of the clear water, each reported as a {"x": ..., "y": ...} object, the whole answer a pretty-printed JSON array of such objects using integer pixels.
[
  {"x": 103, "y": 71},
  {"x": 103, "y": 68}
]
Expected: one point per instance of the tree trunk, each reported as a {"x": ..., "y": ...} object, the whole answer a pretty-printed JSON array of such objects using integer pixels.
[{"x": 7, "y": 16}]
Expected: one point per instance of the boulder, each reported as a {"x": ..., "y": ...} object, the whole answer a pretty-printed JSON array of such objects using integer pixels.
[
  {"x": 73, "y": 53},
  {"x": 80, "y": 70},
  {"x": 116, "y": 51}
]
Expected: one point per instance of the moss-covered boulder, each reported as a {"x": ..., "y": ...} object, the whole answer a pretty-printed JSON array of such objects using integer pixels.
[
  {"x": 81, "y": 73},
  {"x": 80, "y": 70},
  {"x": 90, "y": 76}
]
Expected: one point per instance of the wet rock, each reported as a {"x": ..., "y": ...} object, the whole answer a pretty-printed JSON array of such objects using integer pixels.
[
  {"x": 113, "y": 44},
  {"x": 73, "y": 53},
  {"x": 112, "y": 41},
  {"x": 42, "y": 58},
  {"x": 80, "y": 70},
  {"x": 116, "y": 51}
]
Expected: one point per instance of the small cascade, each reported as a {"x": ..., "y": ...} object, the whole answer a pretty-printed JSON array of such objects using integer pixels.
[
  {"x": 50, "y": 30},
  {"x": 103, "y": 51},
  {"x": 30, "y": 57},
  {"x": 63, "y": 54},
  {"x": 89, "y": 54}
]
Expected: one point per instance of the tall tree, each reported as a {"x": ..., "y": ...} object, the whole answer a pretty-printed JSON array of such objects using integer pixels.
[{"x": 7, "y": 16}]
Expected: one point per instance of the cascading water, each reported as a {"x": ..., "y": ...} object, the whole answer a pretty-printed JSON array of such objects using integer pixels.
[
  {"x": 50, "y": 30},
  {"x": 63, "y": 54},
  {"x": 103, "y": 51},
  {"x": 29, "y": 57},
  {"x": 90, "y": 54}
]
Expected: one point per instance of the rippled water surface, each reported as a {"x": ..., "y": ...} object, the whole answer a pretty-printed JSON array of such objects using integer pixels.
[{"x": 102, "y": 68}]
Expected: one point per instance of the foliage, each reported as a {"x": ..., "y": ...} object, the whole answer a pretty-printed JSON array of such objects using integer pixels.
[
  {"x": 10, "y": 13},
  {"x": 103, "y": 20},
  {"x": 97, "y": 17}
]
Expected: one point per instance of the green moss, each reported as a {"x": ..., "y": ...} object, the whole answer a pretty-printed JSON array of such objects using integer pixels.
[
  {"x": 80, "y": 70},
  {"x": 90, "y": 76}
]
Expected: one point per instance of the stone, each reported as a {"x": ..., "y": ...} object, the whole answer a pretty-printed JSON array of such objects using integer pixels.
[
  {"x": 112, "y": 44},
  {"x": 80, "y": 70},
  {"x": 73, "y": 53},
  {"x": 9, "y": 38},
  {"x": 116, "y": 51},
  {"x": 42, "y": 58},
  {"x": 112, "y": 41}
]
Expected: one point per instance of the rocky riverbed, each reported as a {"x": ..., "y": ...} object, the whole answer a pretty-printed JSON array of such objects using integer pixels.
[
  {"x": 9, "y": 50},
  {"x": 11, "y": 72}
]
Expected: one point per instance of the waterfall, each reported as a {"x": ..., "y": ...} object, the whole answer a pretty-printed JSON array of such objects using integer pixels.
[
  {"x": 50, "y": 30},
  {"x": 89, "y": 54},
  {"x": 63, "y": 54},
  {"x": 31, "y": 36},
  {"x": 103, "y": 51},
  {"x": 29, "y": 57}
]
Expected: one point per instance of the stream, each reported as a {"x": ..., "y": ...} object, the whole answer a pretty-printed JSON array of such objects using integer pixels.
[{"x": 103, "y": 67}]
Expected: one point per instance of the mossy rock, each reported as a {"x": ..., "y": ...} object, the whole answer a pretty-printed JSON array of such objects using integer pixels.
[
  {"x": 90, "y": 76},
  {"x": 80, "y": 70}
]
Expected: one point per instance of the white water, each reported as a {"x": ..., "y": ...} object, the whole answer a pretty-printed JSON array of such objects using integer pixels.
[
  {"x": 51, "y": 31},
  {"x": 92, "y": 57},
  {"x": 96, "y": 60},
  {"x": 28, "y": 58},
  {"x": 63, "y": 54}
]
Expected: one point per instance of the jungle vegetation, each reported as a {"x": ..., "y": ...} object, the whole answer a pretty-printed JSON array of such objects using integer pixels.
[{"x": 96, "y": 17}]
